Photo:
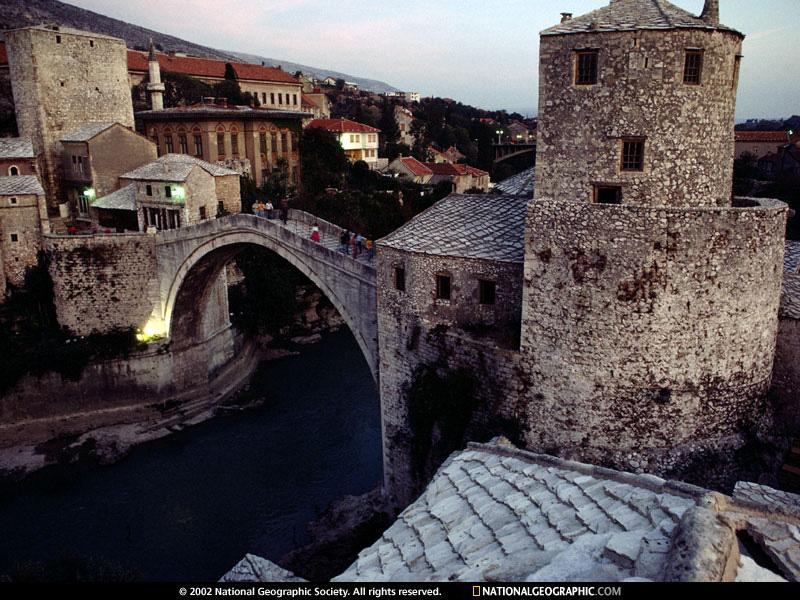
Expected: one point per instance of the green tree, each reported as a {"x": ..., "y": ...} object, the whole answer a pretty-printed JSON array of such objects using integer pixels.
[
  {"x": 323, "y": 162},
  {"x": 184, "y": 90},
  {"x": 229, "y": 88},
  {"x": 389, "y": 130}
]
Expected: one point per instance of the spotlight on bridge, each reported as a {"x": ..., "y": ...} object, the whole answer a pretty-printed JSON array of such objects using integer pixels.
[{"x": 152, "y": 331}]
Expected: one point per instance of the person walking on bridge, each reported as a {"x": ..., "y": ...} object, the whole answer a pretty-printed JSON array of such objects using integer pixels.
[
  {"x": 344, "y": 241},
  {"x": 315, "y": 235},
  {"x": 270, "y": 209},
  {"x": 285, "y": 209}
]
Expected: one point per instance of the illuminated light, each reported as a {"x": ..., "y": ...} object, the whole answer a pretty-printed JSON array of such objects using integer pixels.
[
  {"x": 89, "y": 193},
  {"x": 179, "y": 192},
  {"x": 153, "y": 330}
]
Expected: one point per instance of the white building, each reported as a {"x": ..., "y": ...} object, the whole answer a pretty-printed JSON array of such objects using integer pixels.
[{"x": 359, "y": 141}]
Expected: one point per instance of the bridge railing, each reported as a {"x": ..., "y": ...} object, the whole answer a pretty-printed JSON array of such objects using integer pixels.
[{"x": 326, "y": 228}]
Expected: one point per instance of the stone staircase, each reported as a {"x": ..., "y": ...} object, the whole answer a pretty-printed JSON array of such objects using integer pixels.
[{"x": 790, "y": 473}]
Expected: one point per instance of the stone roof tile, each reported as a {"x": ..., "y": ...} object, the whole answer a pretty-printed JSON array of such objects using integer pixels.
[
  {"x": 470, "y": 226},
  {"x": 632, "y": 15},
  {"x": 521, "y": 184},
  {"x": 20, "y": 184},
  {"x": 122, "y": 199},
  {"x": 87, "y": 131},
  {"x": 16, "y": 148},
  {"x": 175, "y": 167}
]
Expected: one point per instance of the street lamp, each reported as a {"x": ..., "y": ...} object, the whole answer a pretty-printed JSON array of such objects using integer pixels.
[{"x": 499, "y": 133}]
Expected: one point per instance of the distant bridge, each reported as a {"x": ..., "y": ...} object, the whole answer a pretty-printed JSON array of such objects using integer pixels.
[
  {"x": 507, "y": 151},
  {"x": 191, "y": 259}
]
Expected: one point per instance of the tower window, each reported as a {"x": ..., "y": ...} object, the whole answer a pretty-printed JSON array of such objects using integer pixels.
[
  {"x": 58, "y": 39},
  {"x": 400, "y": 279},
  {"x": 13, "y": 171},
  {"x": 14, "y": 237},
  {"x": 633, "y": 155},
  {"x": 693, "y": 67},
  {"x": 608, "y": 194},
  {"x": 12, "y": 201},
  {"x": 91, "y": 43},
  {"x": 487, "y": 292},
  {"x": 443, "y": 287},
  {"x": 586, "y": 67}
]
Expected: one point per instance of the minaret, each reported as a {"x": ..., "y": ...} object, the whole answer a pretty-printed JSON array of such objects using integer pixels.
[{"x": 154, "y": 87}]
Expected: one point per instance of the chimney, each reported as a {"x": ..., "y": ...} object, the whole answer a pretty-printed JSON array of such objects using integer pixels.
[
  {"x": 710, "y": 12},
  {"x": 566, "y": 17}
]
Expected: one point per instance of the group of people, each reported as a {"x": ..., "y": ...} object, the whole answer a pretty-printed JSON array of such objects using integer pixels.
[
  {"x": 356, "y": 244},
  {"x": 266, "y": 210}
]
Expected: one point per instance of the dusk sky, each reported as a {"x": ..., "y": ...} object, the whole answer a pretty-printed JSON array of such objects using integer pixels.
[{"x": 480, "y": 52}]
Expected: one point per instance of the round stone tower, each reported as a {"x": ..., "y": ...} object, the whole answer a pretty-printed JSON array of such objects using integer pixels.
[{"x": 651, "y": 296}]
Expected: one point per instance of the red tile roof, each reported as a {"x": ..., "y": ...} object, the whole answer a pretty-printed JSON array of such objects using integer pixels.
[
  {"x": 416, "y": 167},
  {"x": 306, "y": 101},
  {"x": 3, "y": 55},
  {"x": 763, "y": 136},
  {"x": 454, "y": 170},
  {"x": 207, "y": 67},
  {"x": 342, "y": 126}
]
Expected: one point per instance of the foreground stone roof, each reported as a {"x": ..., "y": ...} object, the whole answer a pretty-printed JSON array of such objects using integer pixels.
[
  {"x": 175, "y": 167},
  {"x": 632, "y": 15},
  {"x": 496, "y": 513},
  {"x": 521, "y": 184},
  {"x": 16, "y": 148},
  {"x": 469, "y": 226},
  {"x": 20, "y": 184}
]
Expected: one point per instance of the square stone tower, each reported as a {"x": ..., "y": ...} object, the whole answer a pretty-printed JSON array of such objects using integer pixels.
[{"x": 62, "y": 78}]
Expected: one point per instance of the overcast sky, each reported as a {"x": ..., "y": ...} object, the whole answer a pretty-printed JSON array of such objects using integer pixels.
[{"x": 481, "y": 52}]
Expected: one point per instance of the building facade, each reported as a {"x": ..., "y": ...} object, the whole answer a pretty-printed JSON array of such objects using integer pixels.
[
  {"x": 17, "y": 157},
  {"x": 760, "y": 143},
  {"x": 359, "y": 141},
  {"x": 229, "y": 135},
  {"x": 94, "y": 156},
  {"x": 23, "y": 220},
  {"x": 62, "y": 78}
]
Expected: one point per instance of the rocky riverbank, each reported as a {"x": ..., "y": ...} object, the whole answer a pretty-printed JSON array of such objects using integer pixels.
[{"x": 105, "y": 435}]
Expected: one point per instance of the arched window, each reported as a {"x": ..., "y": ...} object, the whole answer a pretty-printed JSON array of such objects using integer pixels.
[
  {"x": 220, "y": 142},
  {"x": 234, "y": 141},
  {"x": 198, "y": 142},
  {"x": 13, "y": 170},
  {"x": 262, "y": 142},
  {"x": 183, "y": 141},
  {"x": 168, "y": 147}
]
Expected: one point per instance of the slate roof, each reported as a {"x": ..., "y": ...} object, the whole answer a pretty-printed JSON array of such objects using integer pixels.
[
  {"x": 469, "y": 226},
  {"x": 87, "y": 131},
  {"x": 20, "y": 184},
  {"x": 521, "y": 184},
  {"x": 342, "y": 126},
  {"x": 122, "y": 199},
  {"x": 632, "y": 15},
  {"x": 175, "y": 167},
  {"x": 16, "y": 148},
  {"x": 496, "y": 513},
  {"x": 208, "y": 67}
]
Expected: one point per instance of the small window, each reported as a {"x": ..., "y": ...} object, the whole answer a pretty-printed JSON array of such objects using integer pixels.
[
  {"x": 294, "y": 98},
  {"x": 443, "y": 287},
  {"x": 61, "y": 83},
  {"x": 12, "y": 201},
  {"x": 168, "y": 191},
  {"x": 91, "y": 43},
  {"x": 693, "y": 67},
  {"x": 263, "y": 97},
  {"x": 608, "y": 194},
  {"x": 633, "y": 155},
  {"x": 586, "y": 67},
  {"x": 14, "y": 238},
  {"x": 13, "y": 171},
  {"x": 202, "y": 213},
  {"x": 272, "y": 98},
  {"x": 198, "y": 145},
  {"x": 400, "y": 279},
  {"x": 58, "y": 41},
  {"x": 220, "y": 207},
  {"x": 149, "y": 190},
  {"x": 487, "y": 291},
  {"x": 280, "y": 98}
]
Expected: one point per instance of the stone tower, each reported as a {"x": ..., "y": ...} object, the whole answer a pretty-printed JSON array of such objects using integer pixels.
[
  {"x": 650, "y": 300},
  {"x": 62, "y": 78},
  {"x": 154, "y": 87}
]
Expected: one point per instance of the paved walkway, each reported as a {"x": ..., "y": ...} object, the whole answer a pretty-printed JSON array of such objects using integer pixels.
[{"x": 329, "y": 241}]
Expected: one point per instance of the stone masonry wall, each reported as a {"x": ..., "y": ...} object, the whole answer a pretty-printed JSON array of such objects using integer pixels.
[
  {"x": 415, "y": 329},
  {"x": 688, "y": 129},
  {"x": 104, "y": 281},
  {"x": 24, "y": 220},
  {"x": 115, "y": 152},
  {"x": 648, "y": 328},
  {"x": 60, "y": 80},
  {"x": 229, "y": 193}
]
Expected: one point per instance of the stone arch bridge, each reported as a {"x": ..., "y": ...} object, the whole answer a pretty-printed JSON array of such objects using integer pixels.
[{"x": 190, "y": 261}]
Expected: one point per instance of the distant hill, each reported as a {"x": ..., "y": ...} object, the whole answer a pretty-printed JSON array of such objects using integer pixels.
[{"x": 22, "y": 13}]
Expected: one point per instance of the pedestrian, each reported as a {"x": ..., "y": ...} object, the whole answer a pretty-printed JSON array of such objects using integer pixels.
[
  {"x": 285, "y": 209},
  {"x": 360, "y": 239},
  {"x": 354, "y": 246},
  {"x": 370, "y": 245},
  {"x": 315, "y": 235},
  {"x": 270, "y": 209},
  {"x": 344, "y": 241},
  {"x": 262, "y": 209}
]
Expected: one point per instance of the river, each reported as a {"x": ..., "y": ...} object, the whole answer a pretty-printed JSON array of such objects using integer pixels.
[{"x": 189, "y": 506}]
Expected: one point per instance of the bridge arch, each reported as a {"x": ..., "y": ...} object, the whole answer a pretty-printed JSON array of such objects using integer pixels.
[{"x": 189, "y": 265}]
